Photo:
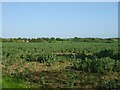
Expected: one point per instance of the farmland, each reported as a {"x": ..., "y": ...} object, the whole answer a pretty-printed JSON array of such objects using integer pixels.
[{"x": 60, "y": 64}]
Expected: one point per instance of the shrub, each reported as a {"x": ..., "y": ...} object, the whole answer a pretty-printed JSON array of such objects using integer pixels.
[
  {"x": 102, "y": 65},
  {"x": 113, "y": 83},
  {"x": 117, "y": 66}
]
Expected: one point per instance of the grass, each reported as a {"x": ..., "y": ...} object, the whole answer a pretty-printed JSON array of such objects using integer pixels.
[
  {"x": 10, "y": 82},
  {"x": 20, "y": 70},
  {"x": 0, "y": 82}
]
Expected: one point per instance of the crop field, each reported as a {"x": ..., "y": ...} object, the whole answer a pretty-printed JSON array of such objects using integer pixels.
[{"x": 60, "y": 64}]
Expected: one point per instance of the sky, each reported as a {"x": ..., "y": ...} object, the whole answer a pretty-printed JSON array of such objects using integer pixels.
[
  {"x": 60, "y": 0},
  {"x": 59, "y": 19}
]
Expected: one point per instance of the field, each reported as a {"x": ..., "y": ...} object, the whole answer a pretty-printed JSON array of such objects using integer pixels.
[{"x": 60, "y": 64}]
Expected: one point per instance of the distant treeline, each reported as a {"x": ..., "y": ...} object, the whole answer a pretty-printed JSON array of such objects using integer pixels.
[{"x": 52, "y": 39}]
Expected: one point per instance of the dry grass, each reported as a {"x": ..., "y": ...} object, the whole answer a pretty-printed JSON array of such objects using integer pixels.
[
  {"x": 57, "y": 76},
  {"x": 37, "y": 67}
]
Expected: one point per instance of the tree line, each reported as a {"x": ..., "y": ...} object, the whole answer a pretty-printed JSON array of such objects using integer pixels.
[{"x": 53, "y": 39}]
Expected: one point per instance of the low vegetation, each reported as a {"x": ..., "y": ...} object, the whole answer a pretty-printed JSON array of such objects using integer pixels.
[{"x": 61, "y": 64}]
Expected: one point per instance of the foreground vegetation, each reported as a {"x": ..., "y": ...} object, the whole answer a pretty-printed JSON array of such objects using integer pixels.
[{"x": 61, "y": 64}]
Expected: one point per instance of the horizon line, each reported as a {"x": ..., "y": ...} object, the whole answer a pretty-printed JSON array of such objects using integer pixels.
[{"x": 58, "y": 37}]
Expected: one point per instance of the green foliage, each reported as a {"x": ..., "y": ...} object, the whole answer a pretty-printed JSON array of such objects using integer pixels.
[
  {"x": 11, "y": 82},
  {"x": 87, "y": 57},
  {"x": 70, "y": 81},
  {"x": 117, "y": 66},
  {"x": 52, "y": 39},
  {"x": 103, "y": 65},
  {"x": 113, "y": 83}
]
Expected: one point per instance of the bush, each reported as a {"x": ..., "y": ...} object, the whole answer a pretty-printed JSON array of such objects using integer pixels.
[
  {"x": 117, "y": 66},
  {"x": 102, "y": 65},
  {"x": 113, "y": 83}
]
